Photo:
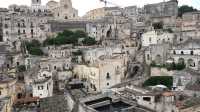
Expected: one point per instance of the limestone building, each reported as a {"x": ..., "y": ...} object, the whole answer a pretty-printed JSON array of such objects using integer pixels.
[
  {"x": 62, "y": 10},
  {"x": 102, "y": 75},
  {"x": 23, "y": 22},
  {"x": 157, "y": 37},
  {"x": 100, "y": 13},
  {"x": 187, "y": 53},
  {"x": 165, "y": 12}
]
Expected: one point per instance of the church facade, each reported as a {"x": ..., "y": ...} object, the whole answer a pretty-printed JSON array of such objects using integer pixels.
[{"x": 62, "y": 10}]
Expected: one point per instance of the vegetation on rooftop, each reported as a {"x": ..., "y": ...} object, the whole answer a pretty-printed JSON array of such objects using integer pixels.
[
  {"x": 21, "y": 68},
  {"x": 184, "y": 9},
  {"x": 33, "y": 48},
  {"x": 159, "y": 80},
  {"x": 70, "y": 37},
  {"x": 170, "y": 66}
]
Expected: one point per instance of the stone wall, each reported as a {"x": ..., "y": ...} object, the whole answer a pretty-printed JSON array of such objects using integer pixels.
[{"x": 161, "y": 72}]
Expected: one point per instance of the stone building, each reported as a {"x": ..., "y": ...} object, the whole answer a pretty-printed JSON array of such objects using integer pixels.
[
  {"x": 102, "y": 75},
  {"x": 42, "y": 86},
  {"x": 155, "y": 100},
  {"x": 189, "y": 26},
  {"x": 59, "y": 52},
  {"x": 25, "y": 26},
  {"x": 157, "y": 53},
  {"x": 165, "y": 12},
  {"x": 73, "y": 25},
  {"x": 56, "y": 64},
  {"x": 36, "y": 6},
  {"x": 23, "y": 22},
  {"x": 7, "y": 93},
  {"x": 91, "y": 56},
  {"x": 3, "y": 11},
  {"x": 186, "y": 53},
  {"x": 62, "y": 10},
  {"x": 157, "y": 37},
  {"x": 111, "y": 30},
  {"x": 100, "y": 13}
]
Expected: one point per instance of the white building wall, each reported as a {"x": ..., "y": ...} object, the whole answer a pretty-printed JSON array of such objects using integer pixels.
[
  {"x": 149, "y": 38},
  {"x": 43, "y": 90}
]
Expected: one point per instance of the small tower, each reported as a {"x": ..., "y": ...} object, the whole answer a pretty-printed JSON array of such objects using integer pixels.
[{"x": 36, "y": 2}]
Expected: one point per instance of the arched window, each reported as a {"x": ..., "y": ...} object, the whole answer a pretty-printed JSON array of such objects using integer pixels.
[
  {"x": 107, "y": 76},
  {"x": 19, "y": 32},
  {"x": 174, "y": 52},
  {"x": 192, "y": 52},
  {"x": 182, "y": 52}
]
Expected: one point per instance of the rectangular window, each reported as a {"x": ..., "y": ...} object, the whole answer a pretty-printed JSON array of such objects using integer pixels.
[{"x": 147, "y": 99}]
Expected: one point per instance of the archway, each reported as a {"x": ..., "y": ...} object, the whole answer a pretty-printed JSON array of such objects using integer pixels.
[
  {"x": 108, "y": 34},
  {"x": 181, "y": 61},
  {"x": 191, "y": 63}
]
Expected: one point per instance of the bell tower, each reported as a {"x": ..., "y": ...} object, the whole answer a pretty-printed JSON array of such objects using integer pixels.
[
  {"x": 66, "y": 3},
  {"x": 36, "y": 2}
]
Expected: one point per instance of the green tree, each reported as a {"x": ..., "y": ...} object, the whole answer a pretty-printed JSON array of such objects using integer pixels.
[
  {"x": 33, "y": 47},
  {"x": 36, "y": 51},
  {"x": 157, "y": 80},
  {"x": 49, "y": 41},
  {"x": 185, "y": 8},
  {"x": 67, "y": 33},
  {"x": 66, "y": 37},
  {"x": 80, "y": 34},
  {"x": 89, "y": 41},
  {"x": 21, "y": 68}
]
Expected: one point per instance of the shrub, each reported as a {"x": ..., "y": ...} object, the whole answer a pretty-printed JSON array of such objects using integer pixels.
[
  {"x": 33, "y": 47},
  {"x": 36, "y": 51},
  {"x": 69, "y": 37},
  {"x": 89, "y": 41},
  {"x": 21, "y": 68}
]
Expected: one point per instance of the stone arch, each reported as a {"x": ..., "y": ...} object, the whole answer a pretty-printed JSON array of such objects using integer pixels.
[
  {"x": 191, "y": 63},
  {"x": 181, "y": 61},
  {"x": 108, "y": 34},
  {"x": 158, "y": 59}
]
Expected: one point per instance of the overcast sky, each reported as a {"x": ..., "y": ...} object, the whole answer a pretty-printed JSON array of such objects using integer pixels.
[{"x": 86, "y": 5}]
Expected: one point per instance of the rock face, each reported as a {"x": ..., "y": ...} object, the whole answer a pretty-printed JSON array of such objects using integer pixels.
[{"x": 134, "y": 70}]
